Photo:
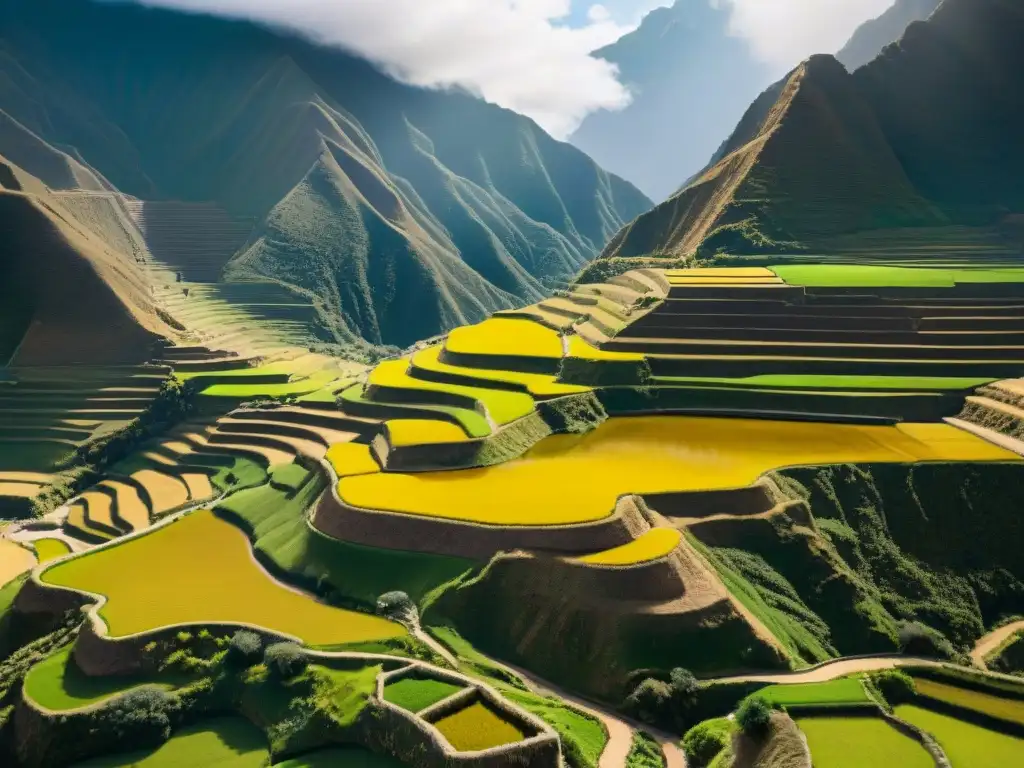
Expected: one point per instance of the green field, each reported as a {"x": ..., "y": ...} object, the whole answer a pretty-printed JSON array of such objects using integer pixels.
[
  {"x": 415, "y": 694},
  {"x": 1011, "y": 710},
  {"x": 846, "y": 690},
  {"x": 226, "y": 742},
  {"x": 57, "y": 684},
  {"x": 859, "y": 742},
  {"x": 50, "y": 549},
  {"x": 341, "y": 757},
  {"x": 870, "y": 276},
  {"x": 279, "y": 532},
  {"x": 966, "y": 745}
]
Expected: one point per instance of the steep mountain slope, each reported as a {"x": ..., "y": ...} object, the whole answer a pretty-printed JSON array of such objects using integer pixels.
[
  {"x": 70, "y": 292},
  {"x": 691, "y": 79},
  {"x": 872, "y": 36},
  {"x": 400, "y": 211},
  {"x": 920, "y": 137}
]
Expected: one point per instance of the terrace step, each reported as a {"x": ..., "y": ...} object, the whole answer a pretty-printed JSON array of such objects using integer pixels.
[
  {"x": 739, "y": 367},
  {"x": 270, "y": 426},
  {"x": 314, "y": 417},
  {"x": 996, "y": 438},
  {"x": 268, "y": 456}
]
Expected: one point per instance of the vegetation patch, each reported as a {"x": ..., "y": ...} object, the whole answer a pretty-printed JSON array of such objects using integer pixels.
[
  {"x": 223, "y": 584},
  {"x": 845, "y": 690},
  {"x": 645, "y": 752},
  {"x": 225, "y": 742},
  {"x": 1011, "y": 710},
  {"x": 341, "y": 757},
  {"x": 965, "y": 744},
  {"x": 477, "y": 727},
  {"x": 854, "y": 742},
  {"x": 415, "y": 694}
]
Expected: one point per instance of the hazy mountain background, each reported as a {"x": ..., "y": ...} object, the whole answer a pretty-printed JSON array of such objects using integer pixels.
[
  {"x": 692, "y": 80},
  {"x": 924, "y": 136},
  {"x": 401, "y": 211}
]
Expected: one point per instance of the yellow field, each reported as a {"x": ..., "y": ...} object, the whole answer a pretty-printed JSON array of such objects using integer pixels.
[
  {"x": 198, "y": 484},
  {"x": 201, "y": 569},
  {"x": 578, "y": 347},
  {"x": 537, "y": 384},
  {"x": 1004, "y": 709},
  {"x": 352, "y": 459},
  {"x": 721, "y": 272},
  {"x": 129, "y": 504},
  {"x": 165, "y": 492},
  {"x": 505, "y": 336},
  {"x": 652, "y": 545},
  {"x": 14, "y": 560},
  {"x": 50, "y": 549},
  {"x": 405, "y": 432},
  {"x": 477, "y": 727},
  {"x": 76, "y": 518},
  {"x": 20, "y": 490},
  {"x": 100, "y": 508},
  {"x": 568, "y": 479}
]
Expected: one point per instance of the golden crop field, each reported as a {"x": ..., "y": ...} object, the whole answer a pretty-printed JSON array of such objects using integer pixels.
[
  {"x": 651, "y": 545},
  {"x": 567, "y": 479},
  {"x": 352, "y": 459},
  {"x": 405, "y": 432},
  {"x": 50, "y": 549},
  {"x": 1004, "y": 709},
  {"x": 538, "y": 384},
  {"x": 578, "y": 347},
  {"x": 14, "y": 560},
  {"x": 201, "y": 569},
  {"x": 505, "y": 336},
  {"x": 477, "y": 727}
]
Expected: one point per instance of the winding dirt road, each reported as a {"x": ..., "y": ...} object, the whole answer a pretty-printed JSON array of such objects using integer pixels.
[
  {"x": 993, "y": 640},
  {"x": 830, "y": 670}
]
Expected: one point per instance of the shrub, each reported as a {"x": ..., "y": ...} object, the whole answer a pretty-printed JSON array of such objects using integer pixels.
[
  {"x": 895, "y": 686},
  {"x": 285, "y": 660},
  {"x": 917, "y": 639},
  {"x": 396, "y": 605},
  {"x": 245, "y": 647},
  {"x": 648, "y": 701},
  {"x": 754, "y": 715},
  {"x": 141, "y": 716},
  {"x": 704, "y": 741}
]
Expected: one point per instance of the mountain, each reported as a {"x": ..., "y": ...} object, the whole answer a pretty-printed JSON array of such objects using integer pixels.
[
  {"x": 923, "y": 136},
  {"x": 872, "y": 36},
  {"x": 399, "y": 212},
  {"x": 690, "y": 78},
  {"x": 72, "y": 291}
]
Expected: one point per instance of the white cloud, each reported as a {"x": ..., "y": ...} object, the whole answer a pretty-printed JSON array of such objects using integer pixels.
[
  {"x": 785, "y": 32},
  {"x": 515, "y": 53}
]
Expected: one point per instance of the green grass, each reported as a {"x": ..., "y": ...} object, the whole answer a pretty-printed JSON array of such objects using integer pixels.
[
  {"x": 857, "y": 742},
  {"x": 226, "y": 742},
  {"x": 415, "y": 694},
  {"x": 645, "y": 752},
  {"x": 56, "y": 683},
  {"x": 846, "y": 690},
  {"x": 291, "y": 477},
  {"x": 966, "y": 745},
  {"x": 870, "y": 276},
  {"x": 896, "y": 383},
  {"x": 277, "y": 526},
  {"x": 341, "y": 757},
  {"x": 302, "y": 386}
]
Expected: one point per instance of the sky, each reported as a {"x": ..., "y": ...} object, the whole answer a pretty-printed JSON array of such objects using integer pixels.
[{"x": 533, "y": 56}]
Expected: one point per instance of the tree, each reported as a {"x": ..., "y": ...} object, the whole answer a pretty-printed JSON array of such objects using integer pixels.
[
  {"x": 649, "y": 701},
  {"x": 245, "y": 647},
  {"x": 285, "y": 660},
  {"x": 753, "y": 716}
]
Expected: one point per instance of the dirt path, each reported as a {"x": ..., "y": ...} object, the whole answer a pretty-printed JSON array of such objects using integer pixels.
[
  {"x": 832, "y": 669},
  {"x": 993, "y": 640}
]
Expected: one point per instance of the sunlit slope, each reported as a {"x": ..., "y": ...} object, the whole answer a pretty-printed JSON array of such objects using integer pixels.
[
  {"x": 569, "y": 479},
  {"x": 362, "y": 188}
]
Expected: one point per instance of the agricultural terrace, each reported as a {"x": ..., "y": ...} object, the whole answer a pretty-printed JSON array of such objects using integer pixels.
[
  {"x": 875, "y": 276},
  {"x": 416, "y": 694},
  {"x": 406, "y": 432},
  {"x": 965, "y": 744},
  {"x": 201, "y": 569},
  {"x": 57, "y": 683},
  {"x": 477, "y": 727},
  {"x": 50, "y": 549},
  {"x": 845, "y": 690},
  {"x": 856, "y": 742},
  {"x": 567, "y": 479},
  {"x": 224, "y": 742},
  {"x": 427, "y": 361},
  {"x": 650, "y": 545},
  {"x": 1011, "y": 710},
  {"x": 14, "y": 560}
]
